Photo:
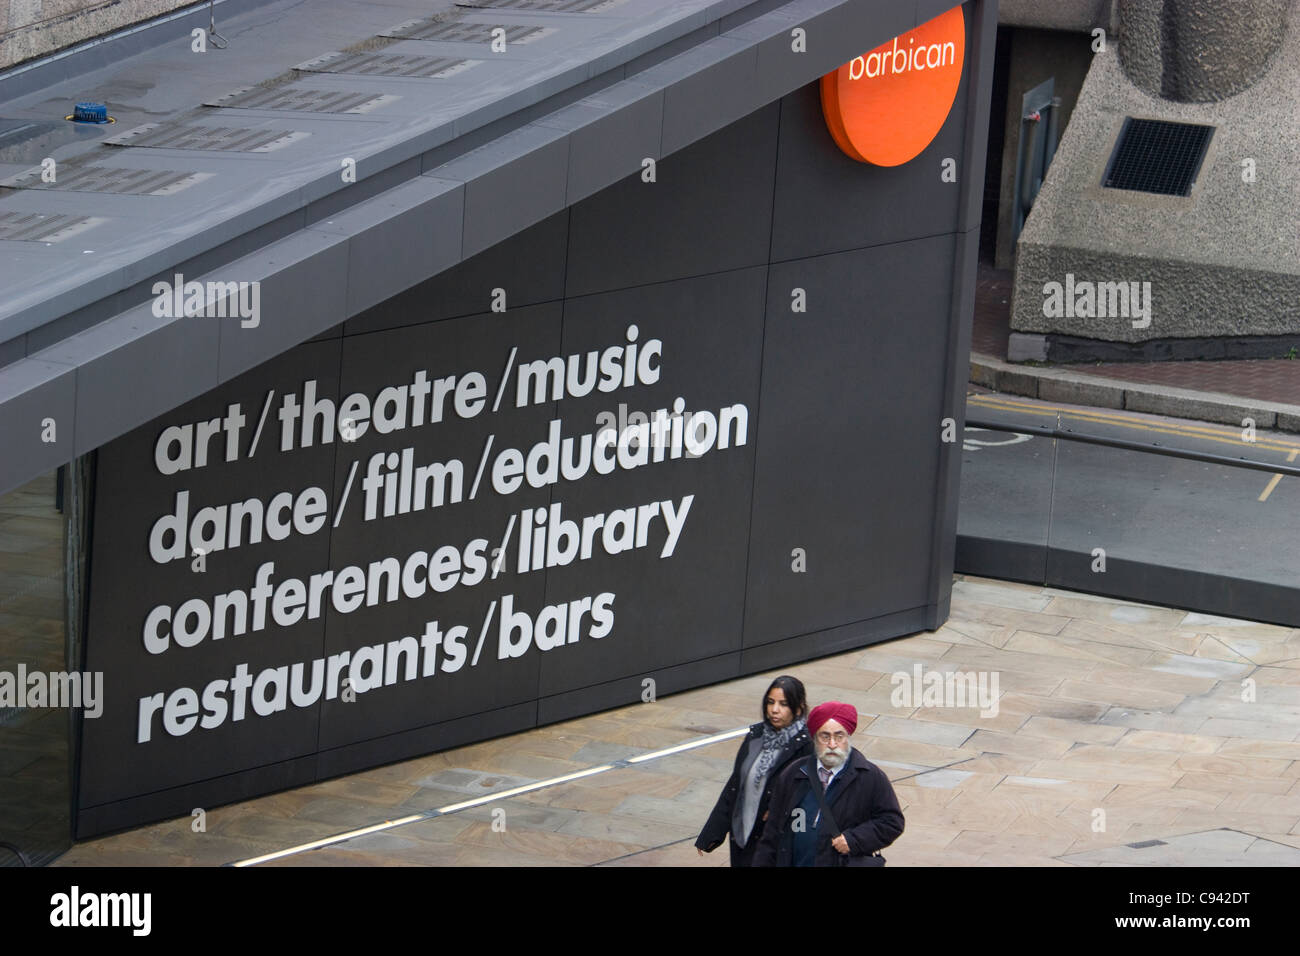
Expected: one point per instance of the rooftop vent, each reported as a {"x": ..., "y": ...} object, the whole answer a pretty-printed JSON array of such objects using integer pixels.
[
  {"x": 387, "y": 64},
  {"x": 229, "y": 138},
  {"x": 89, "y": 178},
  {"x": 43, "y": 227},
  {"x": 1156, "y": 156},
  {"x": 301, "y": 99},
  {"x": 462, "y": 31}
]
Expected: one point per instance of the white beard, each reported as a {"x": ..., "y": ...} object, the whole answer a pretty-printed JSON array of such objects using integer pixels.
[{"x": 832, "y": 760}]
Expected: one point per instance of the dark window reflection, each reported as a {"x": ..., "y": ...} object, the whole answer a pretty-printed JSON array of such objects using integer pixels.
[{"x": 35, "y": 758}]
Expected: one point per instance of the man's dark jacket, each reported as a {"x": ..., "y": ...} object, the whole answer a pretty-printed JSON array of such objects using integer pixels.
[
  {"x": 718, "y": 826},
  {"x": 861, "y": 798}
]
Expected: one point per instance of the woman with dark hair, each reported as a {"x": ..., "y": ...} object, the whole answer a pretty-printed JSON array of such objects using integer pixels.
[{"x": 781, "y": 736}]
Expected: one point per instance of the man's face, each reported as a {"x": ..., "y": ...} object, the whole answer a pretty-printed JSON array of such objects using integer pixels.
[{"x": 831, "y": 744}]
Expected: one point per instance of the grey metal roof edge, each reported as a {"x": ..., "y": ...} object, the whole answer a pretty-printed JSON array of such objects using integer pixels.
[
  {"x": 320, "y": 258},
  {"x": 564, "y": 84},
  {"x": 100, "y": 296}
]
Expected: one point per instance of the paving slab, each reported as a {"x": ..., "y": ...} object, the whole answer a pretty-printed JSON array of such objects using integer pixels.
[{"x": 1170, "y": 753}]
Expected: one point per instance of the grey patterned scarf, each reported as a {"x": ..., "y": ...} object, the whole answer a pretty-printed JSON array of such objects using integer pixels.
[{"x": 770, "y": 746}]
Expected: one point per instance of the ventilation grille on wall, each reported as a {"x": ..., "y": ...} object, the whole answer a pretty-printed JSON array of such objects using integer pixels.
[
  {"x": 37, "y": 227},
  {"x": 387, "y": 64},
  {"x": 1156, "y": 156},
  {"x": 301, "y": 99},
  {"x": 87, "y": 178},
  {"x": 459, "y": 31},
  {"x": 229, "y": 138},
  {"x": 544, "y": 6}
]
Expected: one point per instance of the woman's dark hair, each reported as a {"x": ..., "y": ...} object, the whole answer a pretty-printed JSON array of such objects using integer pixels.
[{"x": 795, "y": 696}]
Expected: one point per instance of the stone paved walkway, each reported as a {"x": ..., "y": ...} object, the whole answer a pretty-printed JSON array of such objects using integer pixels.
[{"x": 1116, "y": 724}]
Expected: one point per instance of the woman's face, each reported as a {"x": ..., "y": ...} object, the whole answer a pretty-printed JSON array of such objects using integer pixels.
[{"x": 779, "y": 714}]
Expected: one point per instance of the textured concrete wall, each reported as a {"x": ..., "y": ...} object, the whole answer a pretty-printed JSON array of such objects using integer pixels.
[
  {"x": 1198, "y": 51},
  {"x": 1222, "y": 262},
  {"x": 31, "y": 28}
]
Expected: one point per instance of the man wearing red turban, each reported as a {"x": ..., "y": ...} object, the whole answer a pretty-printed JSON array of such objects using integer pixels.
[{"x": 835, "y": 808}]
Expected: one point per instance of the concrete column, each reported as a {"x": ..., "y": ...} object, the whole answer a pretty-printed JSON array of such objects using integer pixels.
[{"x": 1199, "y": 51}]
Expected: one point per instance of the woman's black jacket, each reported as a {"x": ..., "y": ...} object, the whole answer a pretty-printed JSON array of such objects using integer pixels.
[{"x": 719, "y": 823}]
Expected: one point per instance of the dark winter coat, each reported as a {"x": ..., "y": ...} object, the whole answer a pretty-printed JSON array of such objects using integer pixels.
[
  {"x": 718, "y": 826},
  {"x": 861, "y": 799}
]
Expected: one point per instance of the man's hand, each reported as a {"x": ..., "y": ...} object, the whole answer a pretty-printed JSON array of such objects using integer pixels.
[{"x": 841, "y": 844}]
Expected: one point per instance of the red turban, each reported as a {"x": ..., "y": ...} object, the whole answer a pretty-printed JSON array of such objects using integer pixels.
[{"x": 845, "y": 714}]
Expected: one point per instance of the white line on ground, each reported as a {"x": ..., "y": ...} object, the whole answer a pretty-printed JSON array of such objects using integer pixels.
[{"x": 488, "y": 798}]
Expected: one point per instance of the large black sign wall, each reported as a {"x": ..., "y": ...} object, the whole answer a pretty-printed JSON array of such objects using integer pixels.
[{"x": 682, "y": 431}]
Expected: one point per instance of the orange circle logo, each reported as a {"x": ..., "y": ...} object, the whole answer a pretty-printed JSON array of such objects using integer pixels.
[{"x": 885, "y": 106}]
